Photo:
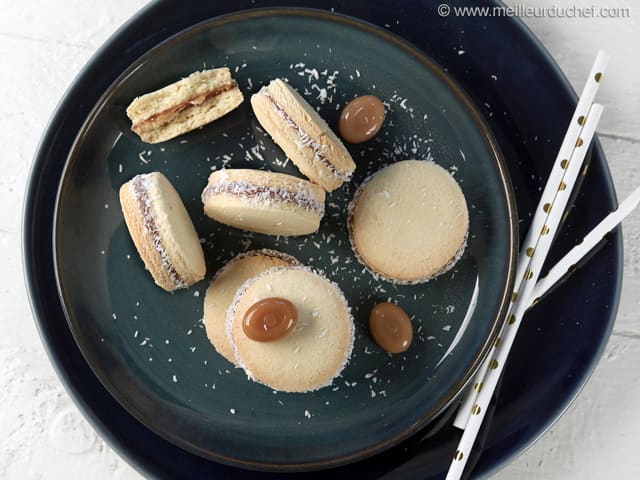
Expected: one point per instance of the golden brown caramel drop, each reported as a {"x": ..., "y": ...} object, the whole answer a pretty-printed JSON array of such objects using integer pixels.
[
  {"x": 391, "y": 327},
  {"x": 269, "y": 319},
  {"x": 361, "y": 119}
]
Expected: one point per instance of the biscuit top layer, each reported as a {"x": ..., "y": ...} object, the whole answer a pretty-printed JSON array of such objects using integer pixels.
[
  {"x": 319, "y": 346},
  {"x": 409, "y": 220},
  {"x": 266, "y": 187}
]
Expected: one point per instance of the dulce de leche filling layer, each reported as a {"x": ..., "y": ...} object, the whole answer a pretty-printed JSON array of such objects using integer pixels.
[
  {"x": 304, "y": 140},
  {"x": 302, "y": 197},
  {"x": 141, "y": 193},
  {"x": 167, "y": 115}
]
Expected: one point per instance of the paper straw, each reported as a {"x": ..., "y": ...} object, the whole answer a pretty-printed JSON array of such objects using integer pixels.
[
  {"x": 574, "y": 255},
  {"x": 464, "y": 411},
  {"x": 559, "y": 169},
  {"x": 538, "y": 250},
  {"x": 554, "y": 182}
]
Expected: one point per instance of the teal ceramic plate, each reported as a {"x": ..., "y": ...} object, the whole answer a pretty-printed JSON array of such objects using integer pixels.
[{"x": 149, "y": 347}]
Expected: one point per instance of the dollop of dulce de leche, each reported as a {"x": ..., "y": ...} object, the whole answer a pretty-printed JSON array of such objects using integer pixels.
[
  {"x": 269, "y": 319},
  {"x": 391, "y": 327},
  {"x": 361, "y": 119}
]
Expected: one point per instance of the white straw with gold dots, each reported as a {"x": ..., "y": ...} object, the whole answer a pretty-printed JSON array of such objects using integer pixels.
[
  {"x": 574, "y": 255},
  {"x": 538, "y": 250},
  {"x": 555, "y": 183}
]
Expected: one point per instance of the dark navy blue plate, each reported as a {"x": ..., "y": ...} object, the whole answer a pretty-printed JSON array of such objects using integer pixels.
[{"x": 527, "y": 103}]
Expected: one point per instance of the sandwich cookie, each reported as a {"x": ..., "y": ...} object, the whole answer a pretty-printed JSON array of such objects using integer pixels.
[
  {"x": 224, "y": 286},
  {"x": 264, "y": 202},
  {"x": 185, "y": 105},
  {"x": 315, "y": 351},
  {"x": 408, "y": 222},
  {"x": 162, "y": 231},
  {"x": 303, "y": 135}
]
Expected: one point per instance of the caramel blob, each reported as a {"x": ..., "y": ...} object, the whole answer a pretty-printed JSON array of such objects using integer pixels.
[
  {"x": 269, "y": 319},
  {"x": 391, "y": 327},
  {"x": 361, "y": 119}
]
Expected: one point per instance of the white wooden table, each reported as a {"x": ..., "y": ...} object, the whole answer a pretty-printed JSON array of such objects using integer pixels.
[{"x": 43, "y": 45}]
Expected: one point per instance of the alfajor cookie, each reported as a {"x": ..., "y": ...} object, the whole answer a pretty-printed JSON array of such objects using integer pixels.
[
  {"x": 264, "y": 202},
  {"x": 408, "y": 222},
  {"x": 224, "y": 286},
  {"x": 162, "y": 231},
  {"x": 185, "y": 105},
  {"x": 303, "y": 135},
  {"x": 311, "y": 355}
]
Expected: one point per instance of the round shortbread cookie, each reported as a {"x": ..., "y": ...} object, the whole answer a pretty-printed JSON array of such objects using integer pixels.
[
  {"x": 162, "y": 231},
  {"x": 319, "y": 346},
  {"x": 224, "y": 286},
  {"x": 408, "y": 222}
]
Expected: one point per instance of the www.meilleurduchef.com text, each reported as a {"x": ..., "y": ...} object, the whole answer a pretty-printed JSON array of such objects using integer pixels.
[{"x": 529, "y": 11}]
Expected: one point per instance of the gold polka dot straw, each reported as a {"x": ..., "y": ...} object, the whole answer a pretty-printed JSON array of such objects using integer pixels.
[
  {"x": 574, "y": 255},
  {"x": 534, "y": 251},
  {"x": 555, "y": 184}
]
